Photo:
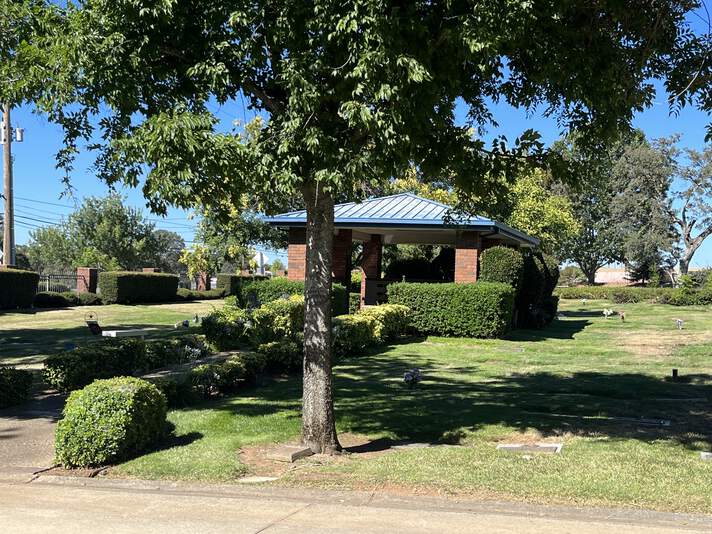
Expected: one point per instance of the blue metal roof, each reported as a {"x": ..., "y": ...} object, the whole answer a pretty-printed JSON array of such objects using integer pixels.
[{"x": 404, "y": 210}]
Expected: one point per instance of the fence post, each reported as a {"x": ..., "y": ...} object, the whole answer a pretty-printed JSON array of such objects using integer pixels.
[{"x": 87, "y": 278}]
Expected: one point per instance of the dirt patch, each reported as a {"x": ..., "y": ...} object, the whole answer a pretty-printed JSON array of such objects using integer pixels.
[
  {"x": 258, "y": 462},
  {"x": 647, "y": 343}
]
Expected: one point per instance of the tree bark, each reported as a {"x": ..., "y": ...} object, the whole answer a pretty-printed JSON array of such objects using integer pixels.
[
  {"x": 318, "y": 421},
  {"x": 684, "y": 265}
]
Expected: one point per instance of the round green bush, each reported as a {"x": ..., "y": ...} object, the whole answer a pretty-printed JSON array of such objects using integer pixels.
[
  {"x": 502, "y": 264},
  {"x": 110, "y": 421}
]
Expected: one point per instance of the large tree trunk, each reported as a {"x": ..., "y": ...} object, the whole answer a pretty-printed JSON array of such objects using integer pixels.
[
  {"x": 318, "y": 423},
  {"x": 684, "y": 265}
]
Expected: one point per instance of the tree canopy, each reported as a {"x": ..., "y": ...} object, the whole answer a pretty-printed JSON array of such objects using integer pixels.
[
  {"x": 104, "y": 233},
  {"x": 347, "y": 95}
]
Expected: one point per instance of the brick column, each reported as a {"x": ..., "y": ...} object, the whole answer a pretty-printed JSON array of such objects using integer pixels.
[
  {"x": 341, "y": 257},
  {"x": 87, "y": 279},
  {"x": 372, "y": 253},
  {"x": 467, "y": 252},
  {"x": 297, "y": 254}
]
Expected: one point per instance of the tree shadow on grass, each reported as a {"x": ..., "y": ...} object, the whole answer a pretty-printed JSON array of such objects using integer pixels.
[
  {"x": 25, "y": 343},
  {"x": 372, "y": 399},
  {"x": 566, "y": 329}
]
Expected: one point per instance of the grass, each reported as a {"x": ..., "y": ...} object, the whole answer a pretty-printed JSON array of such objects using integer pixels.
[
  {"x": 563, "y": 384},
  {"x": 28, "y": 337}
]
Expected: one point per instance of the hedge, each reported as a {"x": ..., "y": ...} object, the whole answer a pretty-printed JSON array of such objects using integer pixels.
[
  {"x": 482, "y": 309},
  {"x": 52, "y": 299},
  {"x": 71, "y": 370},
  {"x": 183, "y": 294},
  {"x": 14, "y": 386},
  {"x": 502, "y": 264},
  {"x": 109, "y": 421},
  {"x": 392, "y": 320},
  {"x": 256, "y": 293},
  {"x": 226, "y": 328},
  {"x": 17, "y": 288},
  {"x": 124, "y": 287},
  {"x": 354, "y": 302},
  {"x": 352, "y": 334},
  {"x": 279, "y": 320},
  {"x": 233, "y": 284},
  {"x": 621, "y": 294}
]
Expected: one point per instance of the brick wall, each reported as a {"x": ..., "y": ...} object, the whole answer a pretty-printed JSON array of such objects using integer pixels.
[
  {"x": 297, "y": 254},
  {"x": 467, "y": 254}
]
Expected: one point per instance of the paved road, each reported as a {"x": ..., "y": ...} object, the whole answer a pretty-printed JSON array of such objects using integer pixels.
[{"x": 59, "y": 505}]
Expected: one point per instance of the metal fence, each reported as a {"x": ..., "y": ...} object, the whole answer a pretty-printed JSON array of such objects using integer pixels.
[{"x": 59, "y": 282}]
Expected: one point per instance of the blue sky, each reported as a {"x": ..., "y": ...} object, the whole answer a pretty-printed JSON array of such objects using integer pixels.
[{"x": 38, "y": 185}]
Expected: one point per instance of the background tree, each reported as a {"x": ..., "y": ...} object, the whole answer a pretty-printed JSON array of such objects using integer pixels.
[
  {"x": 541, "y": 213},
  {"x": 642, "y": 207},
  {"x": 200, "y": 259},
  {"x": 102, "y": 233},
  {"x": 166, "y": 251},
  {"x": 692, "y": 203},
  {"x": 589, "y": 184},
  {"x": 350, "y": 94}
]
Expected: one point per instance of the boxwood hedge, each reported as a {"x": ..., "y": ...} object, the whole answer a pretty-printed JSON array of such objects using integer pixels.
[
  {"x": 17, "y": 288},
  {"x": 482, "y": 309},
  {"x": 109, "y": 421},
  {"x": 125, "y": 287},
  {"x": 259, "y": 292},
  {"x": 502, "y": 264}
]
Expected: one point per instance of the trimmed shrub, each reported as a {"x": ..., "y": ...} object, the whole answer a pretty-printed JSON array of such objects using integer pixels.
[
  {"x": 233, "y": 284},
  {"x": 502, "y": 264},
  {"x": 52, "y": 299},
  {"x": 226, "y": 328},
  {"x": 352, "y": 334},
  {"x": 682, "y": 297},
  {"x": 124, "y": 287},
  {"x": 17, "y": 288},
  {"x": 14, "y": 386},
  {"x": 89, "y": 299},
  {"x": 187, "y": 295},
  {"x": 532, "y": 289},
  {"x": 77, "y": 368},
  {"x": 262, "y": 291},
  {"x": 110, "y": 421},
  {"x": 392, "y": 321},
  {"x": 278, "y": 320},
  {"x": 354, "y": 302},
  {"x": 483, "y": 309},
  {"x": 178, "y": 391},
  {"x": 617, "y": 294},
  {"x": 109, "y": 358},
  {"x": 212, "y": 379},
  {"x": 283, "y": 356}
]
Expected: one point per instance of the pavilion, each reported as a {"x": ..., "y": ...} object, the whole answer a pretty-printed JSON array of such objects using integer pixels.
[{"x": 396, "y": 219}]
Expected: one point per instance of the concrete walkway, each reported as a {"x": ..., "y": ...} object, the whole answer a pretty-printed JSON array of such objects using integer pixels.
[
  {"x": 27, "y": 436},
  {"x": 63, "y": 504}
]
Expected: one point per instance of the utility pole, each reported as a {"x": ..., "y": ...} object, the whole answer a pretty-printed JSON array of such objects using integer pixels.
[{"x": 8, "y": 257}]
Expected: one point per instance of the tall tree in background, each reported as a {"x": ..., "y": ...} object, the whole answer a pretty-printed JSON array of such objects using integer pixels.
[
  {"x": 103, "y": 233},
  {"x": 642, "y": 207},
  {"x": 590, "y": 186},
  {"x": 692, "y": 203},
  {"x": 352, "y": 93}
]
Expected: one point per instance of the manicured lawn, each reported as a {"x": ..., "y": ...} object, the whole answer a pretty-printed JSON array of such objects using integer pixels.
[
  {"x": 28, "y": 337},
  {"x": 564, "y": 384}
]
